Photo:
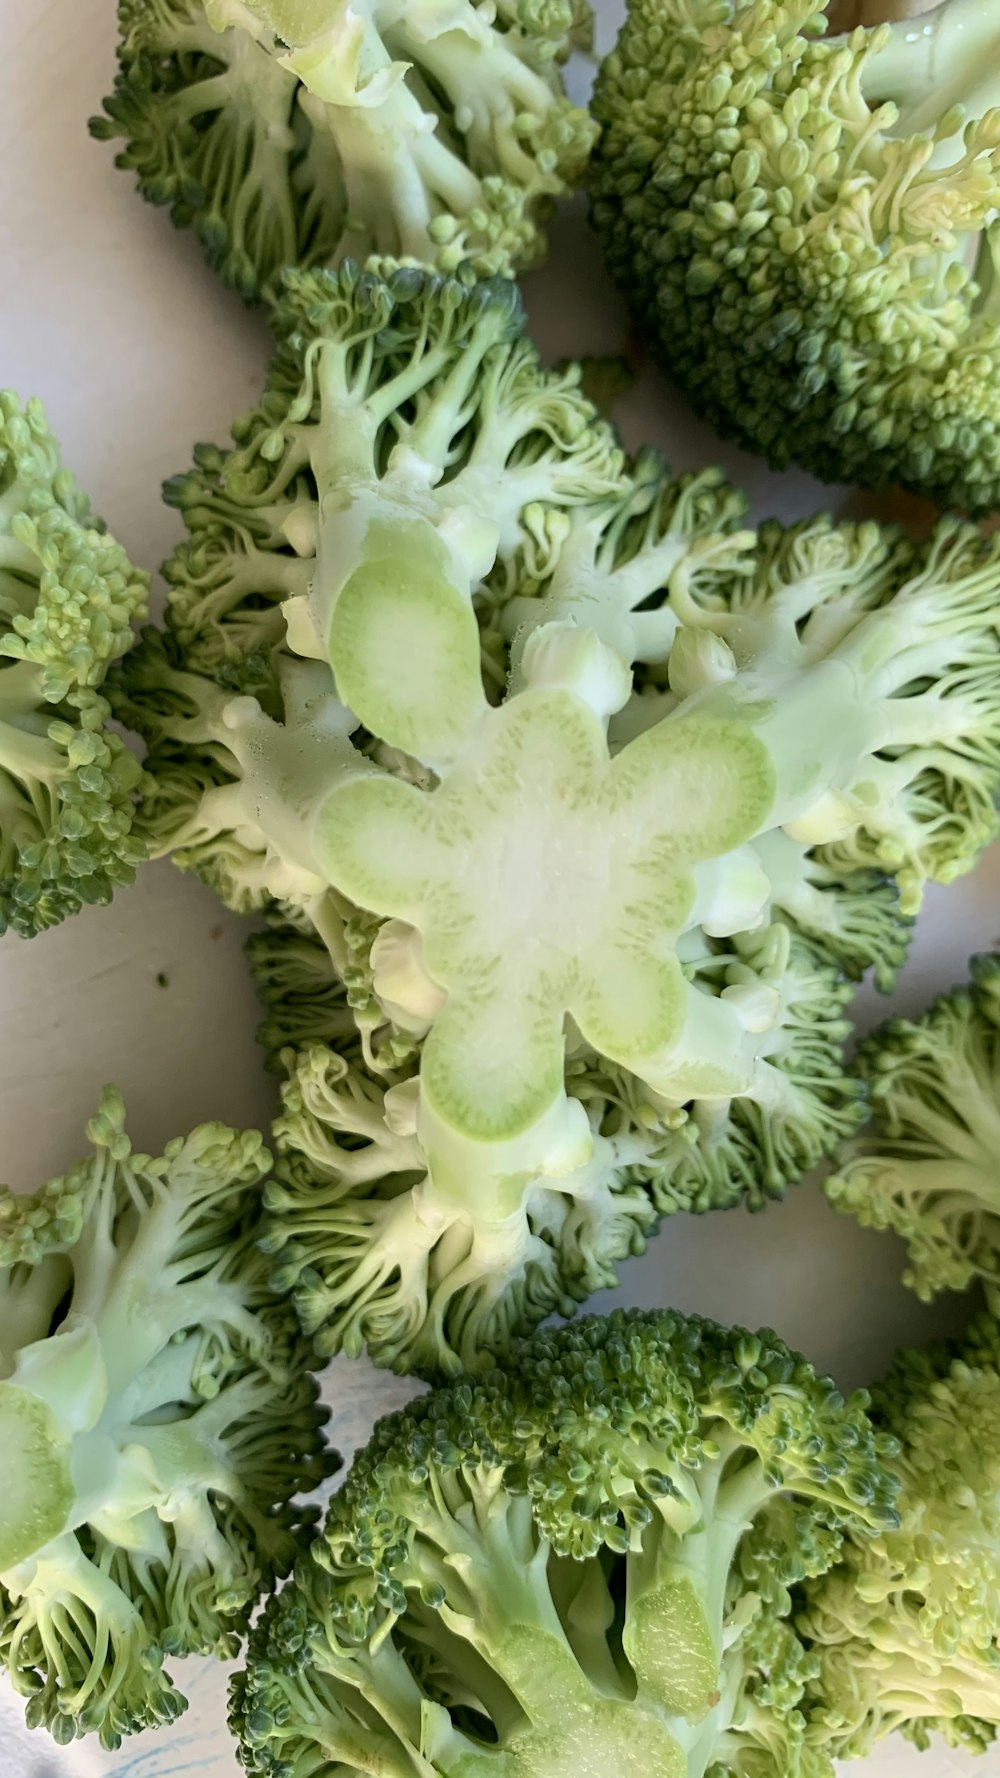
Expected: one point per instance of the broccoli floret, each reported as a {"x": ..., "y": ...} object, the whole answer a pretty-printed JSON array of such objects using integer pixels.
[
  {"x": 906, "y": 1625},
  {"x": 283, "y": 136},
  {"x": 568, "y": 771},
  {"x": 304, "y": 999},
  {"x": 928, "y": 1166},
  {"x": 808, "y": 230},
  {"x": 580, "y": 1562},
  {"x": 157, "y": 1416},
  {"x": 377, "y": 1256},
  {"x": 806, "y": 1100},
  {"x": 68, "y": 595},
  {"x": 415, "y": 400}
]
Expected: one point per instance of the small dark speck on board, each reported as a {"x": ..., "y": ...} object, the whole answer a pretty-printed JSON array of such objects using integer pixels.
[
  {"x": 162, "y": 980},
  {"x": 216, "y": 933}
]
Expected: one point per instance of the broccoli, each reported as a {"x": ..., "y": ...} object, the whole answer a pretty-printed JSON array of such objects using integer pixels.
[
  {"x": 376, "y": 1257},
  {"x": 928, "y": 1167},
  {"x": 157, "y": 1416},
  {"x": 290, "y": 135},
  {"x": 808, "y": 230},
  {"x": 571, "y": 773},
  {"x": 68, "y": 595},
  {"x": 907, "y": 1625},
  {"x": 580, "y": 1562},
  {"x": 304, "y": 999}
]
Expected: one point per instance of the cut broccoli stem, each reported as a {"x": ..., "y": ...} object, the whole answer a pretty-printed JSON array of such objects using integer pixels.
[
  {"x": 394, "y": 171},
  {"x": 480, "y": 1554},
  {"x": 156, "y": 1419},
  {"x": 27, "y": 756},
  {"x": 944, "y": 61}
]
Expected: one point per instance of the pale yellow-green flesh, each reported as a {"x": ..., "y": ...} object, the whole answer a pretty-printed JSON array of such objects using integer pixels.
[
  {"x": 547, "y": 878},
  {"x": 36, "y": 1490}
]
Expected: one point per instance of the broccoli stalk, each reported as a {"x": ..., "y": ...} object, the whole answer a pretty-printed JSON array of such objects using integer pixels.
[
  {"x": 492, "y": 871},
  {"x": 808, "y": 229},
  {"x": 926, "y": 74},
  {"x": 156, "y": 1419},
  {"x": 906, "y": 1625},
  {"x": 212, "y": 129},
  {"x": 286, "y": 137},
  {"x": 576, "y": 779},
  {"x": 68, "y": 595},
  {"x": 376, "y": 1255},
  {"x": 928, "y": 1166},
  {"x": 583, "y": 1559}
]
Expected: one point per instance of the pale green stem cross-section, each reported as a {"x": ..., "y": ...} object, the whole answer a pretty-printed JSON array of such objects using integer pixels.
[{"x": 525, "y": 919}]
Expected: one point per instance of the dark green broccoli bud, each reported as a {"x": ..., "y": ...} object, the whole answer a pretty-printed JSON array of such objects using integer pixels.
[
  {"x": 928, "y": 1166},
  {"x": 157, "y": 1418},
  {"x": 906, "y": 1625},
  {"x": 68, "y": 597},
  {"x": 807, "y": 230},
  {"x": 283, "y": 137},
  {"x": 582, "y": 1562}
]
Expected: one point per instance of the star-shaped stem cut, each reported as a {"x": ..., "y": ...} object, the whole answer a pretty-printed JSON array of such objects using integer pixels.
[{"x": 525, "y": 919}]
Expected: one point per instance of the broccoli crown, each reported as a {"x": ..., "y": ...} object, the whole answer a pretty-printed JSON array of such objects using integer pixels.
[
  {"x": 582, "y": 1561},
  {"x": 928, "y": 1166},
  {"x": 375, "y": 1257},
  {"x": 808, "y": 231},
  {"x": 157, "y": 1416},
  {"x": 595, "y": 799},
  {"x": 68, "y": 595},
  {"x": 430, "y": 133},
  {"x": 906, "y": 1625}
]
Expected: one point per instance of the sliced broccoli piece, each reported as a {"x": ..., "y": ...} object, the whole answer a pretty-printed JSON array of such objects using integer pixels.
[
  {"x": 906, "y": 1625},
  {"x": 434, "y": 133},
  {"x": 564, "y": 767},
  {"x": 928, "y": 1166},
  {"x": 581, "y": 1562},
  {"x": 419, "y": 403},
  {"x": 377, "y": 1255},
  {"x": 157, "y": 1417},
  {"x": 213, "y": 129},
  {"x": 68, "y": 596},
  {"x": 808, "y": 230}
]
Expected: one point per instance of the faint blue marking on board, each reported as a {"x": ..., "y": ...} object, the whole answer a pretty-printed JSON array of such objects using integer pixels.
[{"x": 147, "y": 1764}]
